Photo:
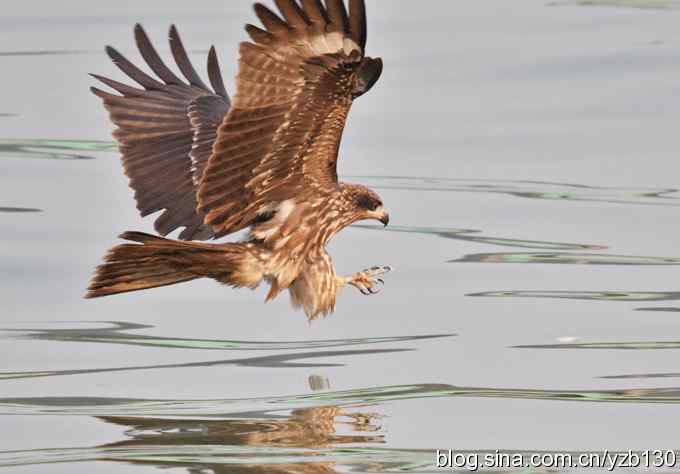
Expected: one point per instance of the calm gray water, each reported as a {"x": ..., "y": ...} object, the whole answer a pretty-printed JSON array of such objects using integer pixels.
[{"x": 527, "y": 152}]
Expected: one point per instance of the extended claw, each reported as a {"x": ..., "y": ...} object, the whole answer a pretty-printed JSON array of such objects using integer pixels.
[
  {"x": 376, "y": 271},
  {"x": 367, "y": 280},
  {"x": 367, "y": 291}
]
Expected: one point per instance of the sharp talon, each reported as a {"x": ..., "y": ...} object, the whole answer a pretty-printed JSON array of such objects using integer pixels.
[
  {"x": 364, "y": 292},
  {"x": 381, "y": 281}
]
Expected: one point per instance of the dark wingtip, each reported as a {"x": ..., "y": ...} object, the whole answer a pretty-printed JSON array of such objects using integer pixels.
[
  {"x": 292, "y": 13},
  {"x": 271, "y": 21},
  {"x": 140, "y": 34},
  {"x": 100, "y": 78},
  {"x": 258, "y": 8},
  {"x": 215, "y": 76},
  {"x": 134, "y": 236},
  {"x": 139, "y": 237},
  {"x": 111, "y": 51}
]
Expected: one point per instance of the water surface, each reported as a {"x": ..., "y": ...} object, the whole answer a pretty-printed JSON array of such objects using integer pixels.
[{"x": 527, "y": 153}]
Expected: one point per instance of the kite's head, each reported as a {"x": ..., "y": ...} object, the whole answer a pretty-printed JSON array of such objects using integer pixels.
[
  {"x": 368, "y": 205},
  {"x": 367, "y": 74}
]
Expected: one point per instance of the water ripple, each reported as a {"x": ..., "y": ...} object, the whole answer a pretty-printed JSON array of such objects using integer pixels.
[
  {"x": 272, "y": 407},
  {"x": 316, "y": 433},
  {"x": 544, "y": 190},
  {"x": 54, "y": 52},
  {"x": 52, "y": 149},
  {"x": 622, "y": 345},
  {"x": 115, "y": 332},
  {"x": 471, "y": 235},
  {"x": 220, "y": 459},
  {"x": 666, "y": 375},
  {"x": 68, "y": 52},
  {"x": 638, "y": 4},
  {"x": 566, "y": 259},
  {"x": 19, "y": 210},
  {"x": 660, "y": 309},
  {"x": 292, "y": 360},
  {"x": 227, "y": 459},
  {"x": 585, "y": 295}
]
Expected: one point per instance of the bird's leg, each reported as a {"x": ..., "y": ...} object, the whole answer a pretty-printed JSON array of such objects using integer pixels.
[{"x": 367, "y": 281}]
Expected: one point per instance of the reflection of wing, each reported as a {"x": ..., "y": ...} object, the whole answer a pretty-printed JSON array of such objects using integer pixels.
[
  {"x": 294, "y": 89},
  {"x": 166, "y": 132}
]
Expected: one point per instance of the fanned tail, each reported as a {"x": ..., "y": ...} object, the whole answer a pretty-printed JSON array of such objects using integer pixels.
[{"x": 153, "y": 262}]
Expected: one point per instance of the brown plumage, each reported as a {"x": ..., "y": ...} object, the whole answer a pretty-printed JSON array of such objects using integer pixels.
[{"x": 266, "y": 161}]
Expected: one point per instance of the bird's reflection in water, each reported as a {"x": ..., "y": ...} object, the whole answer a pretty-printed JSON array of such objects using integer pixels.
[
  {"x": 305, "y": 428},
  {"x": 300, "y": 468},
  {"x": 299, "y": 435}
]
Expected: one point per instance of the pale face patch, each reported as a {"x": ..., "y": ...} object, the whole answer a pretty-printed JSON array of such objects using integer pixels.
[{"x": 379, "y": 214}]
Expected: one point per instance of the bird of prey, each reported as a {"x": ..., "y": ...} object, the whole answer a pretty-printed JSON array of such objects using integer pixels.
[{"x": 266, "y": 161}]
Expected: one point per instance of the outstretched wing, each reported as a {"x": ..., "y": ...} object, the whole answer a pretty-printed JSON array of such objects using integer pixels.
[
  {"x": 166, "y": 132},
  {"x": 281, "y": 137}
]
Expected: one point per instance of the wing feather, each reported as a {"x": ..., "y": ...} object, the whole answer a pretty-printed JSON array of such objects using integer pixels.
[
  {"x": 215, "y": 76},
  {"x": 132, "y": 71},
  {"x": 281, "y": 137},
  {"x": 152, "y": 58},
  {"x": 165, "y": 132},
  {"x": 357, "y": 22},
  {"x": 315, "y": 11},
  {"x": 182, "y": 60},
  {"x": 260, "y": 36},
  {"x": 118, "y": 87},
  {"x": 337, "y": 15},
  {"x": 274, "y": 24},
  {"x": 293, "y": 14}
]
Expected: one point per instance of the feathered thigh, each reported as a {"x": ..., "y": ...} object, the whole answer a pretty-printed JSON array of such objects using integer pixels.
[{"x": 316, "y": 287}]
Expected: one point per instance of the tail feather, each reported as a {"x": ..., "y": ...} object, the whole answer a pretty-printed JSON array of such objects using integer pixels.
[
  {"x": 131, "y": 267},
  {"x": 152, "y": 262}
]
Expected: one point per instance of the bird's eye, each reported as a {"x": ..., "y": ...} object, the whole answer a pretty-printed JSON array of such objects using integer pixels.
[
  {"x": 348, "y": 67},
  {"x": 366, "y": 202}
]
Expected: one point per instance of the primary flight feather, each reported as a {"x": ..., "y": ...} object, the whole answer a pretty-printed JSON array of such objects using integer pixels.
[{"x": 265, "y": 161}]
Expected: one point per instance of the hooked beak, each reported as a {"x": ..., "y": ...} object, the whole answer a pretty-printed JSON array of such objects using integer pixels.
[
  {"x": 368, "y": 74},
  {"x": 380, "y": 215},
  {"x": 385, "y": 219}
]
